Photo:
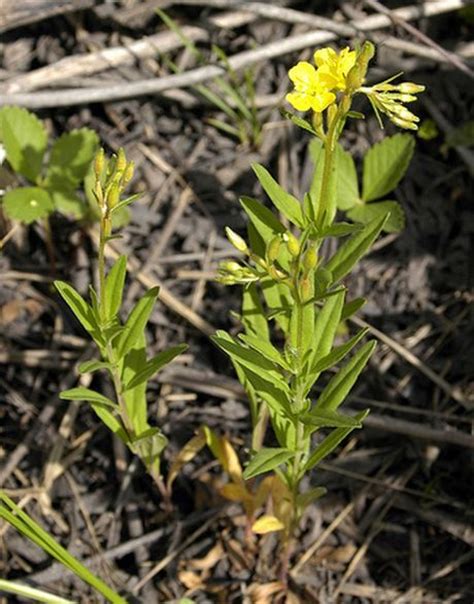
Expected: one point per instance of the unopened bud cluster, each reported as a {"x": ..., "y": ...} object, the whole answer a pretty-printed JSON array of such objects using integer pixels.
[
  {"x": 111, "y": 178},
  {"x": 390, "y": 99}
]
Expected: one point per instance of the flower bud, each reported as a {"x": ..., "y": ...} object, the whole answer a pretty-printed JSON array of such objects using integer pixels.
[
  {"x": 230, "y": 265},
  {"x": 273, "y": 248},
  {"x": 236, "y": 240},
  {"x": 411, "y": 88},
  {"x": 292, "y": 243},
  {"x": 121, "y": 162},
  {"x": 310, "y": 260},
  {"x": 99, "y": 163},
  {"x": 354, "y": 79},
  {"x": 306, "y": 292},
  {"x": 128, "y": 174},
  {"x": 408, "y": 125},
  {"x": 113, "y": 196}
]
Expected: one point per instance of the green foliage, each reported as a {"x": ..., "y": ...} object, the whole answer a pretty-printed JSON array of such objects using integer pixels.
[
  {"x": 25, "y": 525},
  {"x": 384, "y": 165},
  {"x": 235, "y": 96},
  {"x": 121, "y": 345},
  {"x": 57, "y": 180}
]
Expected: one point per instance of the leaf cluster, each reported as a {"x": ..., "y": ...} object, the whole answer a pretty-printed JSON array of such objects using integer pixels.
[
  {"x": 53, "y": 174},
  {"x": 384, "y": 165},
  {"x": 122, "y": 348}
]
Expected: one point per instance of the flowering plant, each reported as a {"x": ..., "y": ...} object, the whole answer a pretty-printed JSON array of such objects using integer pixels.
[{"x": 294, "y": 295}]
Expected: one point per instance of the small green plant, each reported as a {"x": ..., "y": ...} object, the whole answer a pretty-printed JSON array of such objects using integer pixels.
[
  {"x": 294, "y": 296},
  {"x": 54, "y": 175},
  {"x": 122, "y": 346},
  {"x": 24, "y": 524},
  {"x": 235, "y": 97}
]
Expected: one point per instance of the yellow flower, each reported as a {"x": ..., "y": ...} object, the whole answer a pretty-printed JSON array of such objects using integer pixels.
[
  {"x": 334, "y": 67},
  {"x": 311, "y": 88}
]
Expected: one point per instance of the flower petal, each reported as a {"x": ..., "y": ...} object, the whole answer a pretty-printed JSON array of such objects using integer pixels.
[
  {"x": 303, "y": 76},
  {"x": 322, "y": 100},
  {"x": 300, "y": 100},
  {"x": 325, "y": 56}
]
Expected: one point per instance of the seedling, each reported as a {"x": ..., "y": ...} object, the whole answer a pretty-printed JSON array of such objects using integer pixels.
[
  {"x": 122, "y": 346},
  {"x": 294, "y": 295},
  {"x": 235, "y": 97}
]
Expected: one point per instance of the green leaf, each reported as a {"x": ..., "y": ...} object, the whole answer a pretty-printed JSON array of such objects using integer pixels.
[
  {"x": 265, "y": 222},
  {"x": 271, "y": 392},
  {"x": 298, "y": 121},
  {"x": 325, "y": 327},
  {"x": 370, "y": 211},
  {"x": 253, "y": 315},
  {"x": 93, "y": 365},
  {"x": 113, "y": 290},
  {"x": 287, "y": 204},
  {"x": 111, "y": 421},
  {"x": 265, "y": 460},
  {"x": 66, "y": 202},
  {"x": 81, "y": 309},
  {"x": 25, "y": 139},
  {"x": 347, "y": 188},
  {"x": 354, "y": 248},
  {"x": 86, "y": 394},
  {"x": 323, "y": 418},
  {"x": 327, "y": 446},
  {"x": 136, "y": 322},
  {"x": 72, "y": 154},
  {"x": 337, "y": 354},
  {"x": 341, "y": 384},
  {"x": 135, "y": 398},
  {"x": 350, "y": 308},
  {"x": 304, "y": 499},
  {"x": 248, "y": 358},
  {"x": 339, "y": 229},
  {"x": 385, "y": 164},
  {"x": 265, "y": 348},
  {"x": 27, "y": 204},
  {"x": 154, "y": 365}
]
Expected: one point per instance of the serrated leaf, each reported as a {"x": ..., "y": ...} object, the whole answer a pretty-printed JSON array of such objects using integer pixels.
[
  {"x": 72, "y": 154},
  {"x": 113, "y": 290},
  {"x": 265, "y": 460},
  {"x": 81, "y": 309},
  {"x": 347, "y": 188},
  {"x": 341, "y": 384},
  {"x": 352, "y": 250},
  {"x": 385, "y": 164},
  {"x": 27, "y": 204},
  {"x": 136, "y": 322},
  {"x": 93, "y": 365},
  {"x": 327, "y": 446},
  {"x": 267, "y": 524},
  {"x": 66, "y": 202},
  {"x": 86, "y": 394},
  {"x": 322, "y": 418},
  {"x": 287, "y": 204},
  {"x": 154, "y": 365},
  {"x": 375, "y": 209},
  {"x": 24, "y": 138}
]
